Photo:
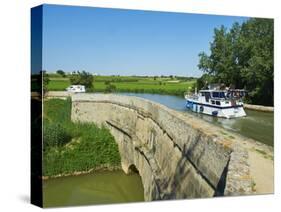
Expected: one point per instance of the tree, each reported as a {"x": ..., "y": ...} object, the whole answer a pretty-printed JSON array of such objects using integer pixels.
[
  {"x": 110, "y": 88},
  {"x": 82, "y": 78},
  {"x": 61, "y": 72},
  {"x": 257, "y": 71},
  {"x": 221, "y": 63},
  {"x": 242, "y": 56},
  {"x": 204, "y": 81}
]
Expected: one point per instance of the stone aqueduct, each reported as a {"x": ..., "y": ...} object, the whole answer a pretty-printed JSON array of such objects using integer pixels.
[{"x": 177, "y": 156}]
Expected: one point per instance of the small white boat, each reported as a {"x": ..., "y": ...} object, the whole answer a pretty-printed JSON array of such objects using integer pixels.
[
  {"x": 76, "y": 89},
  {"x": 226, "y": 103}
]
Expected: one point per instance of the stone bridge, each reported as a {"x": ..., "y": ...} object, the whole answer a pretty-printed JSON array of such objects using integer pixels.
[{"x": 177, "y": 155}]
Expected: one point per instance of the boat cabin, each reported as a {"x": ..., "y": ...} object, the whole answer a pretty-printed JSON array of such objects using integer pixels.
[{"x": 219, "y": 97}]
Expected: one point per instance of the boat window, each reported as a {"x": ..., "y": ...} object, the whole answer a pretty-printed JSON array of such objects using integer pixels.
[
  {"x": 218, "y": 95},
  {"x": 213, "y": 102},
  {"x": 218, "y": 103},
  {"x": 222, "y": 95},
  {"x": 215, "y": 94}
]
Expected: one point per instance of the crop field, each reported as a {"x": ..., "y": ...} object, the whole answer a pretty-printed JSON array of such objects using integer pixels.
[{"x": 136, "y": 84}]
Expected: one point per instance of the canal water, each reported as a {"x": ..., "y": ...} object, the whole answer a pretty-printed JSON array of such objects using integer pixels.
[
  {"x": 256, "y": 125},
  {"x": 102, "y": 187}
]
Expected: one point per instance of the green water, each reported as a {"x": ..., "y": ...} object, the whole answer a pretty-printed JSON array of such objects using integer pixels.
[
  {"x": 256, "y": 125},
  {"x": 102, "y": 187}
]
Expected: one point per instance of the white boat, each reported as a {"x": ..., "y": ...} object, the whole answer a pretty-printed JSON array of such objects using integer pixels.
[
  {"x": 76, "y": 89},
  {"x": 226, "y": 103}
]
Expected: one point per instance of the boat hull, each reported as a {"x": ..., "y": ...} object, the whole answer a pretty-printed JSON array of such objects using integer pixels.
[{"x": 214, "y": 110}]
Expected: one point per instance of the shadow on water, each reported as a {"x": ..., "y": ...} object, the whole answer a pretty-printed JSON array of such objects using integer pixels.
[{"x": 256, "y": 125}]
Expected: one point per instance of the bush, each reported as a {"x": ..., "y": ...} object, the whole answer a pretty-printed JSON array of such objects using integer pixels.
[
  {"x": 107, "y": 82},
  {"x": 54, "y": 135},
  {"x": 82, "y": 78},
  {"x": 110, "y": 88},
  {"x": 61, "y": 72}
]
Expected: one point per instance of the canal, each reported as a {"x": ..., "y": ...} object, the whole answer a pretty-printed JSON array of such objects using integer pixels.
[
  {"x": 256, "y": 125},
  {"x": 102, "y": 187}
]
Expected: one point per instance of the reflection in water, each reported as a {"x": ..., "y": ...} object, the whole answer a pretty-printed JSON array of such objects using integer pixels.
[
  {"x": 96, "y": 188},
  {"x": 256, "y": 125}
]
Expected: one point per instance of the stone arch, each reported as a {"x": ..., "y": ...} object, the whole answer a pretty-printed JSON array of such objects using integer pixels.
[
  {"x": 133, "y": 169},
  {"x": 177, "y": 156}
]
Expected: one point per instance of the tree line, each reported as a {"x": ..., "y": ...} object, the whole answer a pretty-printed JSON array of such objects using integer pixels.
[{"x": 242, "y": 57}]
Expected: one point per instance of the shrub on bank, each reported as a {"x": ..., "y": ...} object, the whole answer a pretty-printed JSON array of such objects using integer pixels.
[
  {"x": 54, "y": 135},
  {"x": 74, "y": 147}
]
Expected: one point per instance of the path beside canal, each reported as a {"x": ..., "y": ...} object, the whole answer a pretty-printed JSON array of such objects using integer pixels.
[{"x": 260, "y": 158}]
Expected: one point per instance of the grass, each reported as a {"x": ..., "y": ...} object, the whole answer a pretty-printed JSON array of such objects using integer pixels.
[
  {"x": 253, "y": 185},
  {"x": 260, "y": 151},
  {"x": 74, "y": 147},
  {"x": 223, "y": 132},
  {"x": 58, "y": 85},
  {"x": 265, "y": 155},
  {"x": 136, "y": 84}
]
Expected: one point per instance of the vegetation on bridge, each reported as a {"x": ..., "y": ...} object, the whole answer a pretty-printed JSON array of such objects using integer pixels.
[{"x": 74, "y": 147}]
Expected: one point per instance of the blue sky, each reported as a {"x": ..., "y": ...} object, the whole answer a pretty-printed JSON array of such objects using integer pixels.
[{"x": 126, "y": 42}]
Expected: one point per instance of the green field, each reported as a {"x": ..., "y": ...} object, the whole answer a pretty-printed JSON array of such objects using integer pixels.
[
  {"x": 136, "y": 84},
  {"x": 74, "y": 147}
]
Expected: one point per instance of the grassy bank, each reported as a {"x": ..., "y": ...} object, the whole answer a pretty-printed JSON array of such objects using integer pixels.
[
  {"x": 136, "y": 84},
  {"x": 74, "y": 147}
]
